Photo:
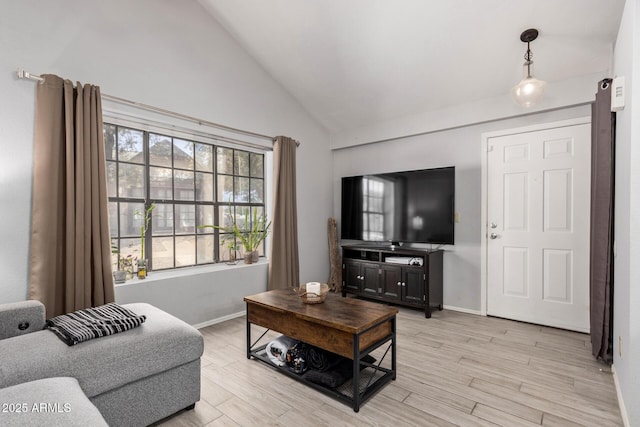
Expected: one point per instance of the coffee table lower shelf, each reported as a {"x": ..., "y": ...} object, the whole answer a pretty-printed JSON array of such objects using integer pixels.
[{"x": 371, "y": 379}]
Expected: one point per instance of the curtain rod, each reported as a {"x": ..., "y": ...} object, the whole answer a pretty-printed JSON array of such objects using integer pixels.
[{"x": 22, "y": 74}]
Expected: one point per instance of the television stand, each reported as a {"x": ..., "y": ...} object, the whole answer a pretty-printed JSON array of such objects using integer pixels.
[{"x": 397, "y": 275}]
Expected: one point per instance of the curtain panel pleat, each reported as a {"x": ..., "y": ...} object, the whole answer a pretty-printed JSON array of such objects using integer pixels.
[
  {"x": 284, "y": 270},
  {"x": 70, "y": 259},
  {"x": 602, "y": 211}
]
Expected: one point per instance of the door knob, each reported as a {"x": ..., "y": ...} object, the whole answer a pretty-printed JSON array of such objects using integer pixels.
[{"x": 493, "y": 236}]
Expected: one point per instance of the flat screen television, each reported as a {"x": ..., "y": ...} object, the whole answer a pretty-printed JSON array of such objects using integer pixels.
[{"x": 410, "y": 207}]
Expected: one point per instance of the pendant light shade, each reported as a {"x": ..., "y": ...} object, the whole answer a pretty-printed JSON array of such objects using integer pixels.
[{"x": 530, "y": 89}]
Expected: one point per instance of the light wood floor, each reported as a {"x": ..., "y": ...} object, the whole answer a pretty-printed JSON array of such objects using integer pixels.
[{"x": 453, "y": 369}]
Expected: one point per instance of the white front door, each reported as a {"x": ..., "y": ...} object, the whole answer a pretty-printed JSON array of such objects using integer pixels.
[{"x": 538, "y": 209}]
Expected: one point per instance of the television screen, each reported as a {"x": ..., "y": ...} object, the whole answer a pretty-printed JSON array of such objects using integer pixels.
[{"x": 412, "y": 206}]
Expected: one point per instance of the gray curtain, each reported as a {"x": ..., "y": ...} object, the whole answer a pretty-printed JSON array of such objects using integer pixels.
[
  {"x": 602, "y": 208},
  {"x": 284, "y": 270},
  {"x": 70, "y": 259}
]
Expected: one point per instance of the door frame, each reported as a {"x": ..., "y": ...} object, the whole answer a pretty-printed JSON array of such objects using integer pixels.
[{"x": 484, "y": 190}]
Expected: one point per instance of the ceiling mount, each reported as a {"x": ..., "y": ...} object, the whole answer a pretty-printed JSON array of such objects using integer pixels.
[{"x": 529, "y": 35}]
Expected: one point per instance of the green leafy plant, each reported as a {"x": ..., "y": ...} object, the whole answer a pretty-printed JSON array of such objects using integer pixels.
[
  {"x": 249, "y": 236},
  {"x": 146, "y": 219},
  {"x": 115, "y": 250}
]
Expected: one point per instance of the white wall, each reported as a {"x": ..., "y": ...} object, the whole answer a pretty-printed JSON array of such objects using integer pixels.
[
  {"x": 456, "y": 147},
  {"x": 171, "y": 55},
  {"x": 626, "y": 321}
]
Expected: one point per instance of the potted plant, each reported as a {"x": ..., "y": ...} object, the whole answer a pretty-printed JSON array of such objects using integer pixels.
[
  {"x": 248, "y": 236},
  {"x": 146, "y": 219},
  {"x": 232, "y": 247},
  {"x": 120, "y": 275}
]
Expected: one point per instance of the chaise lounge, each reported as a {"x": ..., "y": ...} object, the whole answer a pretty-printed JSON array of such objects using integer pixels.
[{"x": 133, "y": 378}]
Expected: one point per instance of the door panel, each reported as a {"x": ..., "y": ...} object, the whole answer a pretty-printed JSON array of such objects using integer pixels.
[
  {"x": 370, "y": 278},
  {"x": 414, "y": 285},
  {"x": 392, "y": 281},
  {"x": 538, "y": 204}
]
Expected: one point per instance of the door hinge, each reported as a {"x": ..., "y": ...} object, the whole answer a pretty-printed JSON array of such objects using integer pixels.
[
  {"x": 489, "y": 148},
  {"x": 424, "y": 276},
  {"x": 343, "y": 266},
  {"x": 424, "y": 297},
  {"x": 379, "y": 271}
]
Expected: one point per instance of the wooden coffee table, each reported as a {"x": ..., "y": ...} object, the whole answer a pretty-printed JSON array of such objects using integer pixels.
[{"x": 349, "y": 327}]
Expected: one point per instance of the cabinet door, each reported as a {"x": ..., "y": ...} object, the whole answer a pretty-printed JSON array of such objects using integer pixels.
[
  {"x": 413, "y": 285},
  {"x": 370, "y": 279},
  {"x": 391, "y": 281},
  {"x": 352, "y": 276}
]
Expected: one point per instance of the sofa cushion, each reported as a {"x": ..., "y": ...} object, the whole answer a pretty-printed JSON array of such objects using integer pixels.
[
  {"x": 48, "y": 402},
  {"x": 161, "y": 343}
]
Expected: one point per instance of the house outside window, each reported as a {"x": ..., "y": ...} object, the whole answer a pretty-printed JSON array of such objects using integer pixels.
[{"x": 190, "y": 183}]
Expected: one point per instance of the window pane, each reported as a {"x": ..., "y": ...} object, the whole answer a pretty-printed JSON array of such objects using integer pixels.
[
  {"x": 112, "y": 190},
  {"x": 241, "y": 189},
  {"x": 160, "y": 185},
  {"x": 204, "y": 187},
  {"x": 205, "y": 217},
  {"x": 159, "y": 150},
  {"x": 204, "y": 157},
  {"x": 185, "y": 250},
  {"x": 183, "y": 185},
  {"x": 113, "y": 219},
  {"x": 130, "y": 145},
  {"x": 225, "y": 218},
  {"x": 130, "y": 181},
  {"x": 257, "y": 165},
  {"x": 182, "y": 154},
  {"x": 241, "y": 163},
  {"x": 224, "y": 160},
  {"x": 162, "y": 219},
  {"x": 205, "y": 249},
  {"x": 109, "y": 133},
  {"x": 225, "y": 188},
  {"x": 162, "y": 253},
  {"x": 130, "y": 222},
  {"x": 185, "y": 219},
  {"x": 257, "y": 190},
  {"x": 243, "y": 217}
]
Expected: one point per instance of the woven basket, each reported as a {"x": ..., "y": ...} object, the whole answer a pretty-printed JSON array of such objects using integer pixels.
[{"x": 310, "y": 297}]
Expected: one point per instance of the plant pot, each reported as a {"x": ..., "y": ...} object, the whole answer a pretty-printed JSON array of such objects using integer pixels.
[
  {"x": 142, "y": 269},
  {"x": 119, "y": 276},
  {"x": 248, "y": 258},
  {"x": 255, "y": 255}
]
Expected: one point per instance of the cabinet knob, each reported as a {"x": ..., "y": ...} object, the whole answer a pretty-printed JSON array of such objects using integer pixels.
[
  {"x": 399, "y": 283},
  {"x": 404, "y": 284}
]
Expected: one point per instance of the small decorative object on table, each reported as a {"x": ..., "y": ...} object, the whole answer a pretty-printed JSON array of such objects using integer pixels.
[{"x": 312, "y": 292}]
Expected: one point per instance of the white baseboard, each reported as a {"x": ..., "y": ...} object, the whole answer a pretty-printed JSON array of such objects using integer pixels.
[
  {"x": 219, "y": 320},
  {"x": 462, "y": 310},
  {"x": 623, "y": 409}
]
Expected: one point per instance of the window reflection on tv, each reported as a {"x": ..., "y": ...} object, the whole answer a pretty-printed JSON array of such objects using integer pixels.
[{"x": 411, "y": 206}]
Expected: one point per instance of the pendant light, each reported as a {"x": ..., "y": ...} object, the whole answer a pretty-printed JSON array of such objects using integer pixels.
[{"x": 530, "y": 90}]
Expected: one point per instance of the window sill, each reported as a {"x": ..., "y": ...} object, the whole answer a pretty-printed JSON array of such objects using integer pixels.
[{"x": 189, "y": 271}]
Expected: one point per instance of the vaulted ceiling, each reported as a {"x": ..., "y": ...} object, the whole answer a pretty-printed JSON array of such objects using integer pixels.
[{"x": 352, "y": 63}]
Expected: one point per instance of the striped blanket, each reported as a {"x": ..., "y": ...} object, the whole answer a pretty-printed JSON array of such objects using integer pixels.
[{"x": 94, "y": 322}]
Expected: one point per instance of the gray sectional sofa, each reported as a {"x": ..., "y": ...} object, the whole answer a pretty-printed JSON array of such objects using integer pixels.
[{"x": 133, "y": 378}]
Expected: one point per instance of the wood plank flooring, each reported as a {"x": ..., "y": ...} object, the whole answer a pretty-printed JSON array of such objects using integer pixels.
[{"x": 453, "y": 369}]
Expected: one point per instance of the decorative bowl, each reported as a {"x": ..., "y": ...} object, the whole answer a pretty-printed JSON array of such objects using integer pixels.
[{"x": 312, "y": 297}]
